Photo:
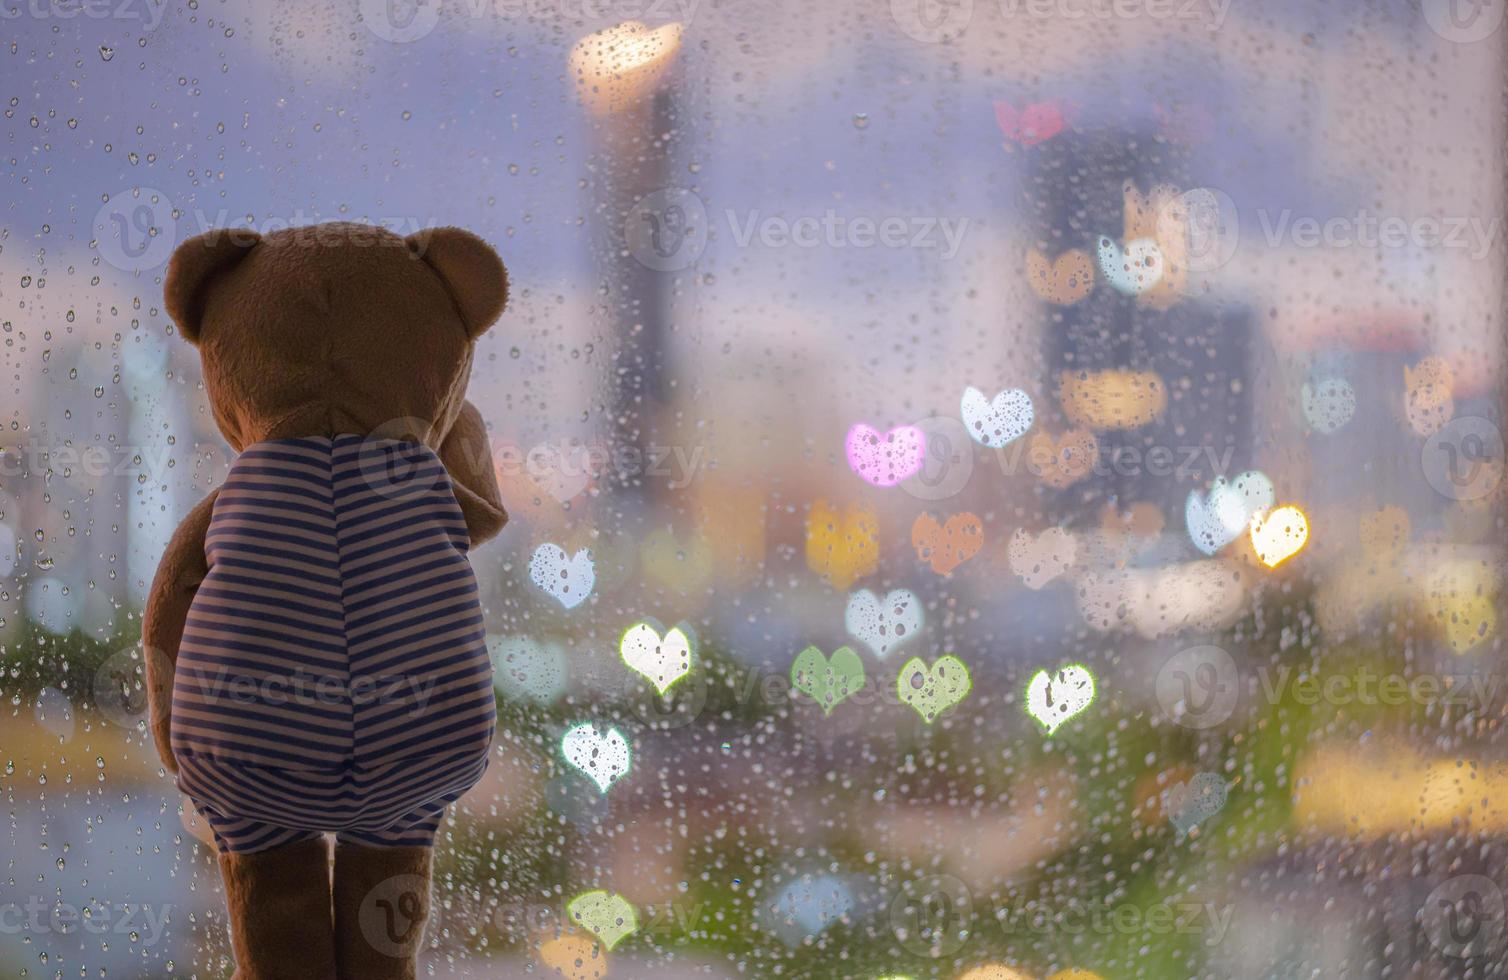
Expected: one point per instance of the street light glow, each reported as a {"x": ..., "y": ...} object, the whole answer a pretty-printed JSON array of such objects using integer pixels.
[{"x": 616, "y": 65}]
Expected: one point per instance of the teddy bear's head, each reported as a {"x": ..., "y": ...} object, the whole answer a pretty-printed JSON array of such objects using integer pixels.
[{"x": 335, "y": 328}]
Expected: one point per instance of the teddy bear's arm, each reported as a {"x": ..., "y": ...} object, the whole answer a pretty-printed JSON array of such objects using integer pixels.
[
  {"x": 182, "y": 568},
  {"x": 467, "y": 456}
]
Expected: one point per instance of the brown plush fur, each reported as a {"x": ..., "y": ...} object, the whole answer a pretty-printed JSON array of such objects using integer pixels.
[
  {"x": 321, "y": 331},
  {"x": 280, "y": 919},
  {"x": 380, "y": 910}
]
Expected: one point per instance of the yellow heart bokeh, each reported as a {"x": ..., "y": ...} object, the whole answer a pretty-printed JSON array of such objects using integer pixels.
[
  {"x": 994, "y": 971},
  {"x": 1112, "y": 399},
  {"x": 1429, "y": 395},
  {"x": 1460, "y": 598},
  {"x": 1391, "y": 788},
  {"x": 1468, "y": 622},
  {"x": 1280, "y": 535},
  {"x": 842, "y": 546},
  {"x": 1385, "y": 533}
]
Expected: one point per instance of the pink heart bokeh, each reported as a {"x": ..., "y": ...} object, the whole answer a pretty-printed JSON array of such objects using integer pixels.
[
  {"x": 885, "y": 460},
  {"x": 1036, "y": 123}
]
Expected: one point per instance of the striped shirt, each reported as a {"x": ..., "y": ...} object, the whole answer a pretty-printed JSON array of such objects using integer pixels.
[{"x": 333, "y": 675}]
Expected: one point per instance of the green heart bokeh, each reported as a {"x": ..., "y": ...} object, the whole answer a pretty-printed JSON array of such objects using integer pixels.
[
  {"x": 827, "y": 681},
  {"x": 932, "y": 690},
  {"x": 608, "y": 917}
]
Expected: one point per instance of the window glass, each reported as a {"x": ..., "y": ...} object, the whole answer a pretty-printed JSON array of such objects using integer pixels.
[{"x": 998, "y": 488}]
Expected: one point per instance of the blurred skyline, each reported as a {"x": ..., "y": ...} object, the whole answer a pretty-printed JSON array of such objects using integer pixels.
[{"x": 1355, "y": 153}]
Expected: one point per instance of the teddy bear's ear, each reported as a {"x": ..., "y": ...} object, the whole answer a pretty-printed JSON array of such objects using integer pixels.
[
  {"x": 194, "y": 266},
  {"x": 471, "y": 271}
]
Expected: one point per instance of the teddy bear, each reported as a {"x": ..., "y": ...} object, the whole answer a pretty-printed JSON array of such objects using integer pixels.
[{"x": 315, "y": 653}]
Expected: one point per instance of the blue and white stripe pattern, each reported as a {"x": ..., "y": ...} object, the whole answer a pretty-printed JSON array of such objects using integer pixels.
[{"x": 333, "y": 675}]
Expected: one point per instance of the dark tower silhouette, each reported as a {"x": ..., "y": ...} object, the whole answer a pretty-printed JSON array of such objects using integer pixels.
[{"x": 1073, "y": 192}]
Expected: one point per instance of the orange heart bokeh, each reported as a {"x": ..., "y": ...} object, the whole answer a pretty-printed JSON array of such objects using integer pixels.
[
  {"x": 1161, "y": 215},
  {"x": 1062, "y": 462},
  {"x": 1064, "y": 280},
  {"x": 574, "y": 957},
  {"x": 946, "y": 546}
]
